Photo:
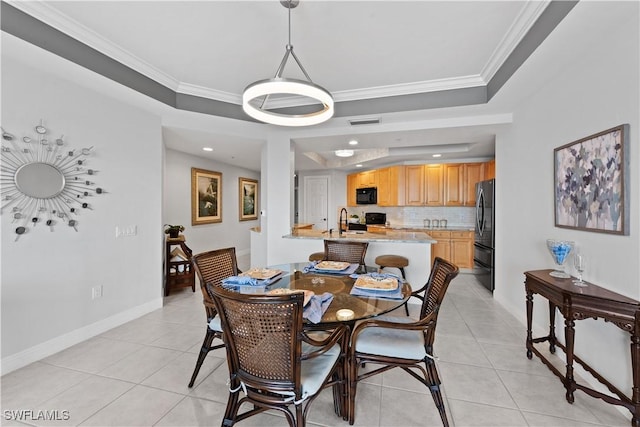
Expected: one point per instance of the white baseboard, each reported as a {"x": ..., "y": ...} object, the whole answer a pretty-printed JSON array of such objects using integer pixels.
[{"x": 46, "y": 349}]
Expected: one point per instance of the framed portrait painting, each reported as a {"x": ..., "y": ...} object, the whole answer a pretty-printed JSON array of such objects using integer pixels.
[
  {"x": 592, "y": 182},
  {"x": 206, "y": 196},
  {"x": 248, "y": 199}
]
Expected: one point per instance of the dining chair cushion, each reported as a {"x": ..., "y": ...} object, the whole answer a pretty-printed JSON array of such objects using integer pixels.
[
  {"x": 314, "y": 371},
  {"x": 215, "y": 325},
  {"x": 398, "y": 343}
]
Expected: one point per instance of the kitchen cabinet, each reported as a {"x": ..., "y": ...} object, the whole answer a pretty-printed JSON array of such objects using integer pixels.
[
  {"x": 391, "y": 186},
  {"x": 442, "y": 248},
  {"x": 462, "y": 248},
  {"x": 460, "y": 183},
  {"x": 454, "y": 246},
  {"x": 414, "y": 189},
  {"x": 434, "y": 185},
  {"x": 352, "y": 185},
  {"x": 424, "y": 185},
  {"x": 451, "y": 184},
  {"x": 490, "y": 169},
  {"x": 473, "y": 173},
  {"x": 454, "y": 190},
  {"x": 368, "y": 179}
]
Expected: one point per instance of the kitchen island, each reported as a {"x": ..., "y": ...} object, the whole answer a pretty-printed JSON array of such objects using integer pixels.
[{"x": 415, "y": 246}]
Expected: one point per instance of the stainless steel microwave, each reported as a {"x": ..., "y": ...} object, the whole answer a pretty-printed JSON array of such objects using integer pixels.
[{"x": 367, "y": 196}]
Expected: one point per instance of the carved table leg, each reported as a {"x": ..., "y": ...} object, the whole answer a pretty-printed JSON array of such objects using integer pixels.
[
  {"x": 635, "y": 367},
  {"x": 569, "y": 335},
  {"x": 552, "y": 327},
  {"x": 529, "y": 320}
]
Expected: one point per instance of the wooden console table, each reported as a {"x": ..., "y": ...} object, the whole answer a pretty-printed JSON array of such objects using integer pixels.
[
  {"x": 179, "y": 273},
  {"x": 577, "y": 303}
]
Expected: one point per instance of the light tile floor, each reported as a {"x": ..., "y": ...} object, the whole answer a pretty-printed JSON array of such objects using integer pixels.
[{"x": 137, "y": 375}]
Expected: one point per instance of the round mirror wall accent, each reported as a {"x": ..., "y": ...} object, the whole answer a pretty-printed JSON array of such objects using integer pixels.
[{"x": 44, "y": 182}]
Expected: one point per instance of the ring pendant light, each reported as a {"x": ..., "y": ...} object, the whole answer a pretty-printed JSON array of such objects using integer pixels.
[{"x": 285, "y": 86}]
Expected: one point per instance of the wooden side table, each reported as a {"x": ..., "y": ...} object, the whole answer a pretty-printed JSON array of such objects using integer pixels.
[
  {"x": 179, "y": 272},
  {"x": 577, "y": 303}
]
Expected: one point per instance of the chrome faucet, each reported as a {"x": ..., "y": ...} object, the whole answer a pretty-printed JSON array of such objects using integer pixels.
[{"x": 346, "y": 217}]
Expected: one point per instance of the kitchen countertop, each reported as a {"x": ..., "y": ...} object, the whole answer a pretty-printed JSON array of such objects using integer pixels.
[
  {"x": 390, "y": 235},
  {"x": 428, "y": 229}
]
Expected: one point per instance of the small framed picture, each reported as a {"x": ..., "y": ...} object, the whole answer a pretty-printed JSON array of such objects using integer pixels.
[
  {"x": 206, "y": 196},
  {"x": 248, "y": 199},
  {"x": 592, "y": 181}
]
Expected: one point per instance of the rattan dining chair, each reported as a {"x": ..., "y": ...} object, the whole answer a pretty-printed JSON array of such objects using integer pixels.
[
  {"x": 271, "y": 359},
  {"x": 212, "y": 267},
  {"x": 346, "y": 251},
  {"x": 401, "y": 342}
]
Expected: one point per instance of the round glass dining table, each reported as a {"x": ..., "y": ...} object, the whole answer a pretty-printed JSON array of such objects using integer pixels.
[{"x": 294, "y": 277}]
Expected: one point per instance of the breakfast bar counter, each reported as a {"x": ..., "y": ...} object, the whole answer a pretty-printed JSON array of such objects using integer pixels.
[
  {"x": 415, "y": 246},
  {"x": 389, "y": 235}
]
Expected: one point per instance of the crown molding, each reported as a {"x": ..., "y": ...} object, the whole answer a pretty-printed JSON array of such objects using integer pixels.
[
  {"x": 61, "y": 22},
  {"x": 51, "y": 16},
  {"x": 205, "y": 92},
  {"x": 410, "y": 88},
  {"x": 525, "y": 20}
]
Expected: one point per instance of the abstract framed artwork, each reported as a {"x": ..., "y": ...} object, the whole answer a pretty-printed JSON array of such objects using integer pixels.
[
  {"x": 248, "y": 199},
  {"x": 592, "y": 182},
  {"x": 206, "y": 196}
]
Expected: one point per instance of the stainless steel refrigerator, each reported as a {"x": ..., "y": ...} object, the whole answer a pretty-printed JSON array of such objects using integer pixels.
[{"x": 483, "y": 255}]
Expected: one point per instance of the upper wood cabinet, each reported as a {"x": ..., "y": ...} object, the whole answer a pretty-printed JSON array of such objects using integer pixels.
[
  {"x": 434, "y": 185},
  {"x": 424, "y": 185},
  {"x": 473, "y": 173},
  {"x": 454, "y": 190},
  {"x": 391, "y": 186},
  {"x": 368, "y": 179},
  {"x": 450, "y": 184},
  {"x": 460, "y": 183},
  {"x": 490, "y": 169},
  {"x": 414, "y": 185},
  {"x": 352, "y": 184}
]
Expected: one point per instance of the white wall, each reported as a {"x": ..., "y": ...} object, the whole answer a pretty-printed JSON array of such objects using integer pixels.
[
  {"x": 47, "y": 276},
  {"x": 177, "y": 204},
  {"x": 583, "y": 79}
]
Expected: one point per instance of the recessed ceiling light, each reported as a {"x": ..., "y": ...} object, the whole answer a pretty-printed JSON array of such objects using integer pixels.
[
  {"x": 436, "y": 155},
  {"x": 353, "y": 142},
  {"x": 344, "y": 153},
  {"x": 208, "y": 149},
  {"x": 358, "y": 165}
]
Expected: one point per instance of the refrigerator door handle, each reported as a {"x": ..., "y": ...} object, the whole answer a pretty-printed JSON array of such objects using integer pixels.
[{"x": 480, "y": 212}]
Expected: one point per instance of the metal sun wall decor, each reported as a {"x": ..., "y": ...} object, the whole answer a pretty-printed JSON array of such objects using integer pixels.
[
  {"x": 43, "y": 182},
  {"x": 592, "y": 182}
]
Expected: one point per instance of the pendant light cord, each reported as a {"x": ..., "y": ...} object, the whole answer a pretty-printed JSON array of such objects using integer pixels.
[{"x": 290, "y": 24}]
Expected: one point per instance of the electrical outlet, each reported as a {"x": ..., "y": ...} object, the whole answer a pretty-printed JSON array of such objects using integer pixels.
[{"x": 96, "y": 292}]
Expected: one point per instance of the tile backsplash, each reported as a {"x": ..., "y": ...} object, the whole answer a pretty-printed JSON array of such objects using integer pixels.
[{"x": 413, "y": 216}]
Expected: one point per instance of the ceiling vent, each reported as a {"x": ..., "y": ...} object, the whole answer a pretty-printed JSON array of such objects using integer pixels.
[{"x": 369, "y": 121}]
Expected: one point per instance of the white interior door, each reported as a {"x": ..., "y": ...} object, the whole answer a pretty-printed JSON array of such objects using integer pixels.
[{"x": 316, "y": 201}]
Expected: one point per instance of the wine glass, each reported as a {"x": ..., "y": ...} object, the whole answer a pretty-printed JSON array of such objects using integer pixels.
[
  {"x": 580, "y": 263},
  {"x": 559, "y": 250}
]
